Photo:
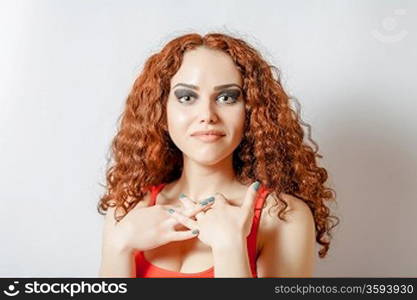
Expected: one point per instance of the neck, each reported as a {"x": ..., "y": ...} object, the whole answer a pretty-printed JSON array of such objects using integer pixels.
[{"x": 199, "y": 181}]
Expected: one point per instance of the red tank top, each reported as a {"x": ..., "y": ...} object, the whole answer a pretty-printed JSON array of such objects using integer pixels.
[{"x": 145, "y": 269}]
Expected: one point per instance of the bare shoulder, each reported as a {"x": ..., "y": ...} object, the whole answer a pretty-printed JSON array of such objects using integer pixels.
[
  {"x": 145, "y": 201},
  {"x": 297, "y": 212},
  {"x": 295, "y": 207},
  {"x": 287, "y": 247},
  {"x": 113, "y": 213}
]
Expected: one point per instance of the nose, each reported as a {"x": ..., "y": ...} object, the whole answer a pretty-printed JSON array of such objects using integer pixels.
[{"x": 207, "y": 112}]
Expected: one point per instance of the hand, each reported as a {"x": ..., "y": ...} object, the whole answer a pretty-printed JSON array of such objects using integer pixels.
[
  {"x": 145, "y": 228},
  {"x": 224, "y": 224},
  {"x": 191, "y": 206}
]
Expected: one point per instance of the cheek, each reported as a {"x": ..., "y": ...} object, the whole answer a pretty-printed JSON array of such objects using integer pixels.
[
  {"x": 177, "y": 122},
  {"x": 237, "y": 122}
]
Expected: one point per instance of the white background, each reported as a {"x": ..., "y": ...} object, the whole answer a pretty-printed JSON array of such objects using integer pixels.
[{"x": 66, "y": 68}]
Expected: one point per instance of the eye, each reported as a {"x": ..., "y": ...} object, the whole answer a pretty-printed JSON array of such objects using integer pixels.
[
  {"x": 230, "y": 97},
  {"x": 184, "y": 96},
  {"x": 225, "y": 97},
  {"x": 185, "y": 99}
]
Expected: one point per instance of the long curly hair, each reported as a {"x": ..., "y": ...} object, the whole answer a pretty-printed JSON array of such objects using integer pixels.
[{"x": 272, "y": 149}]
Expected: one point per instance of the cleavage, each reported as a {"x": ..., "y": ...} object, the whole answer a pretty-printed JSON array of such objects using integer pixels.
[{"x": 182, "y": 256}]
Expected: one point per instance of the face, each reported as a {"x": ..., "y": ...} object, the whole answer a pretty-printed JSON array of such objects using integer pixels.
[{"x": 206, "y": 95}]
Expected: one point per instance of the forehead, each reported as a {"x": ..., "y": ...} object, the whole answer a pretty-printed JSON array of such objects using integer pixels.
[{"x": 207, "y": 67}]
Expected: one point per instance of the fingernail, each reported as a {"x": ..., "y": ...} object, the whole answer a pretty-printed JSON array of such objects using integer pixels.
[
  {"x": 183, "y": 195},
  {"x": 195, "y": 231},
  {"x": 256, "y": 185},
  {"x": 171, "y": 211},
  {"x": 207, "y": 201}
]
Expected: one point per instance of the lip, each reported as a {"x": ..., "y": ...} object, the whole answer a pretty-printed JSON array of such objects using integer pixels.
[
  {"x": 208, "y": 132},
  {"x": 208, "y": 138}
]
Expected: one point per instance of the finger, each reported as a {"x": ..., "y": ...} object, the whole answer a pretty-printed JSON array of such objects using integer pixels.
[
  {"x": 187, "y": 202},
  {"x": 207, "y": 201},
  {"x": 204, "y": 206},
  {"x": 189, "y": 213},
  {"x": 249, "y": 201},
  {"x": 220, "y": 199},
  {"x": 183, "y": 235},
  {"x": 177, "y": 207},
  {"x": 180, "y": 218},
  {"x": 199, "y": 216},
  {"x": 192, "y": 205}
]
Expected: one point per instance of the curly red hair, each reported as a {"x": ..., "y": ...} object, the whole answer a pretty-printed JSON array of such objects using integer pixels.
[{"x": 272, "y": 150}]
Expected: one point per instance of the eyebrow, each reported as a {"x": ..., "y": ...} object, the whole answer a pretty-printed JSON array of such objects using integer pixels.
[{"x": 219, "y": 87}]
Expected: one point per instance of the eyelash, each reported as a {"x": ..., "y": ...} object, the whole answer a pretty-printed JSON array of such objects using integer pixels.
[{"x": 222, "y": 95}]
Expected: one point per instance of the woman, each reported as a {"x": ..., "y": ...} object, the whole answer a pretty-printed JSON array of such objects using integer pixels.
[{"x": 211, "y": 177}]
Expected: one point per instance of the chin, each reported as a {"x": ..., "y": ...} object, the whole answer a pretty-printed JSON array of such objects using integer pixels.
[
  {"x": 206, "y": 159},
  {"x": 207, "y": 163}
]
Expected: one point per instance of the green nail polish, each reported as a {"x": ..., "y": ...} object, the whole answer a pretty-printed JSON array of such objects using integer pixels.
[
  {"x": 211, "y": 199},
  {"x": 204, "y": 202},
  {"x": 195, "y": 231},
  {"x": 256, "y": 185},
  {"x": 171, "y": 211},
  {"x": 183, "y": 195}
]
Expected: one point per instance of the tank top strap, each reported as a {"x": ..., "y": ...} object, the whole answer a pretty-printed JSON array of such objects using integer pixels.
[
  {"x": 252, "y": 237},
  {"x": 155, "y": 189}
]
